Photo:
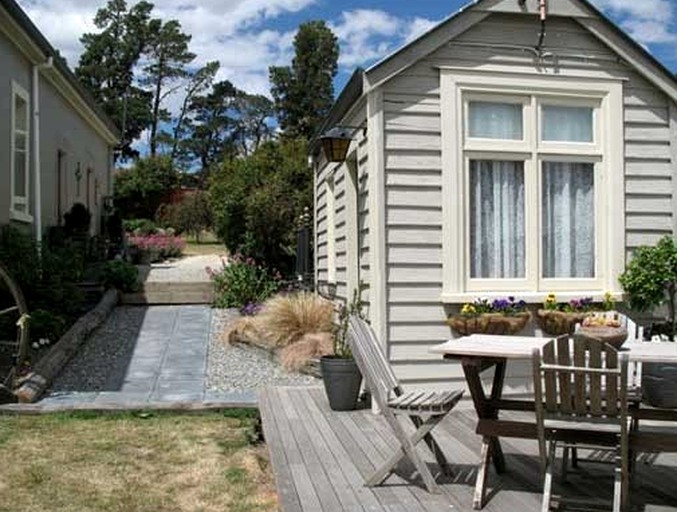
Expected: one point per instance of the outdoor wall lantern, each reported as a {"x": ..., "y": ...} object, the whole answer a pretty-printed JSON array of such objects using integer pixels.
[{"x": 336, "y": 141}]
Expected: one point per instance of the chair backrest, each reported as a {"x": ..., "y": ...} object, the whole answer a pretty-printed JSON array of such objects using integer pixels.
[
  {"x": 371, "y": 360},
  {"x": 578, "y": 379}
]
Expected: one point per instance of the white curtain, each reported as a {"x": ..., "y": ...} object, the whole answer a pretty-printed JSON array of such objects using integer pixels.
[
  {"x": 495, "y": 120},
  {"x": 568, "y": 236},
  {"x": 497, "y": 238},
  {"x": 567, "y": 124}
]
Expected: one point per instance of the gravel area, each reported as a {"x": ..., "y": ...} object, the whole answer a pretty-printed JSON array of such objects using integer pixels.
[
  {"x": 236, "y": 368},
  {"x": 101, "y": 363},
  {"x": 191, "y": 269}
]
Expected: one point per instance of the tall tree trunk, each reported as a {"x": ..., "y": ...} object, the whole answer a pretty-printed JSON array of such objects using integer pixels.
[{"x": 156, "y": 109}]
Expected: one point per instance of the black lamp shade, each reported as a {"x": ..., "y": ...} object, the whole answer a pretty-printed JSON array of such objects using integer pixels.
[{"x": 335, "y": 144}]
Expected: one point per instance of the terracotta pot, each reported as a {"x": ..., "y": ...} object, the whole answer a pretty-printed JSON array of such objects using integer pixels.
[
  {"x": 555, "y": 322},
  {"x": 489, "y": 323}
]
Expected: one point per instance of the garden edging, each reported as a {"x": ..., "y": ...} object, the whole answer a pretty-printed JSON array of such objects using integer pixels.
[{"x": 36, "y": 382}]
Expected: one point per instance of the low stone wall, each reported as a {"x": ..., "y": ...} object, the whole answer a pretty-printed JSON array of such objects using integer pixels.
[{"x": 33, "y": 385}]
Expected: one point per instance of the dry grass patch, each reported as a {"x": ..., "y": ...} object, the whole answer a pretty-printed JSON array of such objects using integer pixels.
[{"x": 130, "y": 463}]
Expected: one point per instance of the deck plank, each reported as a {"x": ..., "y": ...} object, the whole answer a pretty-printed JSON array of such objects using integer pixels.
[{"x": 312, "y": 446}]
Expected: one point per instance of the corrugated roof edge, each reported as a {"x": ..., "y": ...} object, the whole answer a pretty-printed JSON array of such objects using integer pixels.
[
  {"x": 351, "y": 93},
  {"x": 26, "y": 24}
]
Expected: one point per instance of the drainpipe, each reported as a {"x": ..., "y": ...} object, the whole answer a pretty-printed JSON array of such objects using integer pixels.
[{"x": 36, "y": 146}]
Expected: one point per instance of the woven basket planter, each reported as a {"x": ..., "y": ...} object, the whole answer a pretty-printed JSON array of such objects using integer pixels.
[
  {"x": 614, "y": 336},
  {"x": 555, "y": 323},
  {"x": 489, "y": 323}
]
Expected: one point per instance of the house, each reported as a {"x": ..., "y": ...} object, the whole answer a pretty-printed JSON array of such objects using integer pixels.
[
  {"x": 56, "y": 145},
  {"x": 505, "y": 152}
]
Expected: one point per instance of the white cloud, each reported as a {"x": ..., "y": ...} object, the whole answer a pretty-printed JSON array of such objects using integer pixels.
[
  {"x": 368, "y": 34},
  {"x": 648, "y": 21}
]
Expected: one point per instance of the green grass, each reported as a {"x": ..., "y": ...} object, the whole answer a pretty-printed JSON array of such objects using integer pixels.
[{"x": 141, "y": 462}]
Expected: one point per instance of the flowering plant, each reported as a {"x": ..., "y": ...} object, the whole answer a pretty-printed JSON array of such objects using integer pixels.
[
  {"x": 581, "y": 305},
  {"x": 243, "y": 283},
  {"x": 505, "y": 306},
  {"x": 158, "y": 246}
]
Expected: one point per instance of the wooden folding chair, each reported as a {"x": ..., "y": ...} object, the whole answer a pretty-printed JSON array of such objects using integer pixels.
[
  {"x": 426, "y": 409},
  {"x": 580, "y": 389}
]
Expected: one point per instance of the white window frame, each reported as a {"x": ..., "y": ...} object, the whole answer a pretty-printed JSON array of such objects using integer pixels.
[
  {"x": 457, "y": 88},
  {"x": 24, "y": 216}
]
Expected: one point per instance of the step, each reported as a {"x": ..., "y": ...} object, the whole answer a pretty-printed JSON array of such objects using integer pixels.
[{"x": 171, "y": 293}]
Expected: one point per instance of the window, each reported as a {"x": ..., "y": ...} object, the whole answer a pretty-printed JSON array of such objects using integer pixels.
[
  {"x": 20, "y": 153},
  {"x": 535, "y": 161}
]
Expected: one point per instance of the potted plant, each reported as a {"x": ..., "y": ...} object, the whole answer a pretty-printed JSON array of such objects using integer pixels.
[
  {"x": 501, "y": 316},
  {"x": 650, "y": 281},
  {"x": 556, "y": 318},
  {"x": 340, "y": 374}
]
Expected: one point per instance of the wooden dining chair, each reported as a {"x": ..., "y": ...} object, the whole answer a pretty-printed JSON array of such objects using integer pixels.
[
  {"x": 580, "y": 389},
  {"x": 425, "y": 409}
]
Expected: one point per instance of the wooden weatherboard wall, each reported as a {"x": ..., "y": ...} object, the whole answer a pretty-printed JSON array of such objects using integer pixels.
[
  {"x": 402, "y": 173},
  {"x": 414, "y": 167}
]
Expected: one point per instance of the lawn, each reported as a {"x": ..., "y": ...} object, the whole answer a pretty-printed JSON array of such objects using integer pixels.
[
  {"x": 134, "y": 463},
  {"x": 209, "y": 244}
]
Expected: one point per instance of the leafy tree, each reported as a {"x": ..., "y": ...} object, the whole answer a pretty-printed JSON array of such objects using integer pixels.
[
  {"x": 304, "y": 91},
  {"x": 106, "y": 67},
  {"x": 650, "y": 279},
  {"x": 253, "y": 112},
  {"x": 139, "y": 190},
  {"x": 257, "y": 199},
  {"x": 167, "y": 56},
  {"x": 193, "y": 214}
]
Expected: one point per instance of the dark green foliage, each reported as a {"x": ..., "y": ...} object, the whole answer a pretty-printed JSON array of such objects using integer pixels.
[
  {"x": 139, "y": 226},
  {"x": 650, "y": 279},
  {"x": 77, "y": 220},
  {"x": 304, "y": 91},
  {"x": 256, "y": 201},
  {"x": 243, "y": 281},
  {"x": 192, "y": 215},
  {"x": 48, "y": 281},
  {"x": 167, "y": 56},
  {"x": 121, "y": 275},
  {"x": 46, "y": 325},
  {"x": 141, "y": 189},
  {"x": 107, "y": 64}
]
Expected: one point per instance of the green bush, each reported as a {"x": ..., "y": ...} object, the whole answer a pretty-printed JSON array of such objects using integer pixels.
[
  {"x": 256, "y": 201},
  {"x": 141, "y": 189},
  {"x": 650, "y": 279},
  {"x": 139, "y": 226},
  {"x": 192, "y": 215},
  {"x": 242, "y": 282},
  {"x": 46, "y": 325},
  {"x": 121, "y": 275}
]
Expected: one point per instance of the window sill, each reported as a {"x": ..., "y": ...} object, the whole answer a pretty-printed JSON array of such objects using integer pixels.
[
  {"x": 20, "y": 216},
  {"x": 529, "y": 297}
]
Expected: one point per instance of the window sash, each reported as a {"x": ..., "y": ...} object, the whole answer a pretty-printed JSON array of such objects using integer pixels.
[{"x": 20, "y": 150}]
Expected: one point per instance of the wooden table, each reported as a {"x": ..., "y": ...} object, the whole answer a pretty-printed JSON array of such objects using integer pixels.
[{"x": 480, "y": 352}]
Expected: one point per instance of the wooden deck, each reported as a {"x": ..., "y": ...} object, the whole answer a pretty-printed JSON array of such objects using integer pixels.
[{"x": 320, "y": 459}]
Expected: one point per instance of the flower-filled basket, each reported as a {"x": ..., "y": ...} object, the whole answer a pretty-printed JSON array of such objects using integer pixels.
[
  {"x": 606, "y": 329},
  {"x": 556, "y": 318},
  {"x": 502, "y": 316}
]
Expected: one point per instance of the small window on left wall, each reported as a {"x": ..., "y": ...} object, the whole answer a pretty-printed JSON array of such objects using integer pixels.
[{"x": 20, "y": 153}]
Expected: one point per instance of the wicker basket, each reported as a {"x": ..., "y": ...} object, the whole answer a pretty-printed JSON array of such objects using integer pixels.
[
  {"x": 489, "y": 323},
  {"x": 555, "y": 322},
  {"x": 614, "y": 336}
]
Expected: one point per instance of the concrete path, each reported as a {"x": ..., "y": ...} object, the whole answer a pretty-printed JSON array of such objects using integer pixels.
[{"x": 168, "y": 365}]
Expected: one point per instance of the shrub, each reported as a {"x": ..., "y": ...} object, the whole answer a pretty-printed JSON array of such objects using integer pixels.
[
  {"x": 139, "y": 191},
  {"x": 287, "y": 318},
  {"x": 77, "y": 220},
  {"x": 650, "y": 278},
  {"x": 192, "y": 215},
  {"x": 139, "y": 226},
  {"x": 241, "y": 282},
  {"x": 121, "y": 275},
  {"x": 158, "y": 247},
  {"x": 46, "y": 325}
]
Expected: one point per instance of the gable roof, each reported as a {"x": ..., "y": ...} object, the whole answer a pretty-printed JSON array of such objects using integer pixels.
[
  {"x": 39, "y": 50},
  {"x": 582, "y": 10}
]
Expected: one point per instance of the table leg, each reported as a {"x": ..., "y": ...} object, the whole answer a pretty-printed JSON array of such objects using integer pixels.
[{"x": 491, "y": 446}]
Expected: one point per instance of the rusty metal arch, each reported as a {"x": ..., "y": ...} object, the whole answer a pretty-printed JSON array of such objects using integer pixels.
[{"x": 20, "y": 347}]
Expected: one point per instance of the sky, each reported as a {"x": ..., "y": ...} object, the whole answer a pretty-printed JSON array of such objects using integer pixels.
[{"x": 248, "y": 36}]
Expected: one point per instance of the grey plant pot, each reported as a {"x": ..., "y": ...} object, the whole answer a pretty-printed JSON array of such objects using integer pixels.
[
  {"x": 342, "y": 380},
  {"x": 659, "y": 385}
]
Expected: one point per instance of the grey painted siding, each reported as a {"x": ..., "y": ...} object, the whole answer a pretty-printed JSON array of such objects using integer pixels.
[
  {"x": 61, "y": 129},
  {"x": 414, "y": 173}
]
